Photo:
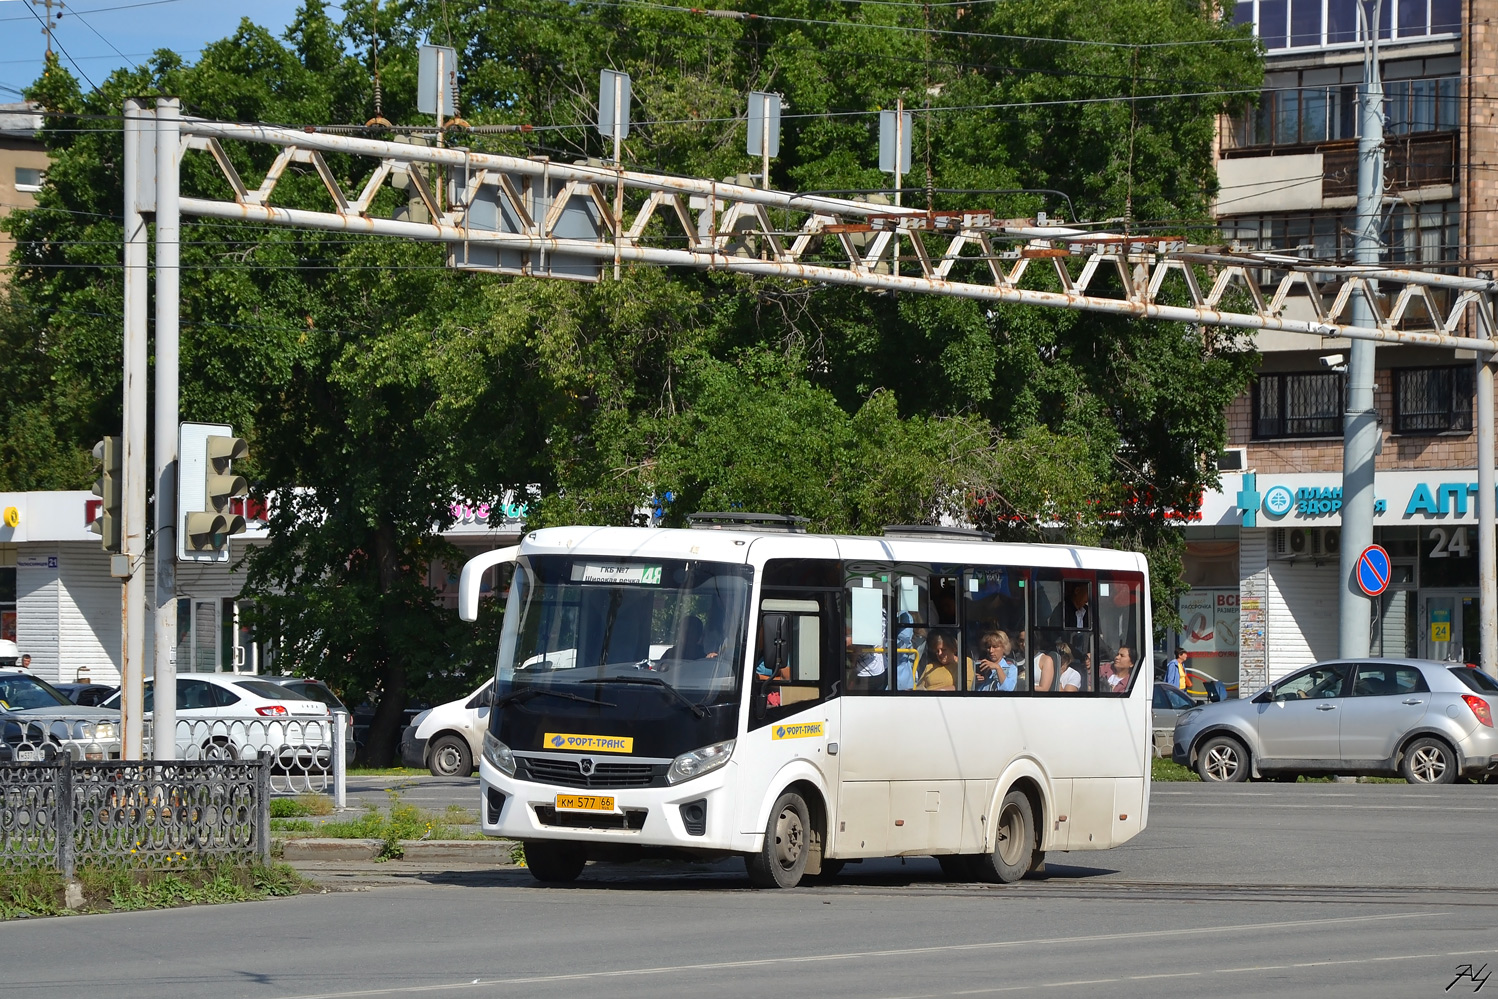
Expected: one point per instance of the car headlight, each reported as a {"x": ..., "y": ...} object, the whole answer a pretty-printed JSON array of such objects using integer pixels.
[
  {"x": 1187, "y": 715},
  {"x": 105, "y": 730},
  {"x": 499, "y": 755},
  {"x": 699, "y": 762}
]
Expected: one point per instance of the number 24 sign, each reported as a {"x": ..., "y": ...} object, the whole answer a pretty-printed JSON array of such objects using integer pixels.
[{"x": 1449, "y": 543}]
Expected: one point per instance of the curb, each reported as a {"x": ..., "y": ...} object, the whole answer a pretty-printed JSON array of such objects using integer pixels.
[{"x": 487, "y": 851}]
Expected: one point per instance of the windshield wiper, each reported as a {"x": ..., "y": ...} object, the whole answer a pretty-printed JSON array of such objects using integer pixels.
[
  {"x": 526, "y": 693},
  {"x": 653, "y": 681}
]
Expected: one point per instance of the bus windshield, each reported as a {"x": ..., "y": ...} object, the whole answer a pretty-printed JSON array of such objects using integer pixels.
[{"x": 630, "y": 647}]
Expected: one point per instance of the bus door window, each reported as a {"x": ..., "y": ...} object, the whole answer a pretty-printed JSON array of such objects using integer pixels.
[
  {"x": 791, "y": 650},
  {"x": 911, "y": 601},
  {"x": 866, "y": 628},
  {"x": 995, "y": 627},
  {"x": 1120, "y": 631}
]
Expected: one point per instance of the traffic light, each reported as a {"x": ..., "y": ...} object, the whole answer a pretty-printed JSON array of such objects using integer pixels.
[
  {"x": 109, "y": 524},
  {"x": 206, "y": 483}
]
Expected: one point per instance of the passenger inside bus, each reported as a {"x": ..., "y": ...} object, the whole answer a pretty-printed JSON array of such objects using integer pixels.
[
  {"x": 939, "y": 671},
  {"x": 1121, "y": 671},
  {"x": 993, "y": 669}
]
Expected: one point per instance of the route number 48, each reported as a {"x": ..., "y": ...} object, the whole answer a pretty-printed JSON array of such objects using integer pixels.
[{"x": 1450, "y": 543}]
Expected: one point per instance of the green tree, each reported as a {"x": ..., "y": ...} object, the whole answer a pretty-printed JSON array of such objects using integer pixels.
[{"x": 376, "y": 387}]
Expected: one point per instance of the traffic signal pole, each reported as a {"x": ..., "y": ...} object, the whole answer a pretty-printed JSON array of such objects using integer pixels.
[{"x": 168, "y": 259}]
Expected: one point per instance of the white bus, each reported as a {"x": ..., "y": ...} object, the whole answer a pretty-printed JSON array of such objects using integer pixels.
[{"x": 803, "y": 701}]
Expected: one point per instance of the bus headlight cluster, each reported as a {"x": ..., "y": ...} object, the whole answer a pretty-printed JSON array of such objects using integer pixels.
[
  {"x": 499, "y": 755},
  {"x": 699, "y": 762}
]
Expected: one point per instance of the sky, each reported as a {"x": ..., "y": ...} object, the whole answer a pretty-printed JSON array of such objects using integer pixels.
[{"x": 100, "y": 36}]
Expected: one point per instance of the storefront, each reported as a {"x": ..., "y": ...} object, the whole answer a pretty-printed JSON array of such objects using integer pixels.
[{"x": 1282, "y": 612}]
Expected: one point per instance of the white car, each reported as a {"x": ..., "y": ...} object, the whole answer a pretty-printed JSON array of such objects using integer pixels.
[
  {"x": 447, "y": 739},
  {"x": 227, "y": 715}
]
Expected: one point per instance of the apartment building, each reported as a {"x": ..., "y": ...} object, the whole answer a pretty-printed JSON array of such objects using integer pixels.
[
  {"x": 1263, "y": 560},
  {"x": 23, "y": 164}
]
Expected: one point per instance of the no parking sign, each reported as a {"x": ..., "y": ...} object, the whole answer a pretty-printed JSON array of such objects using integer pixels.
[{"x": 1373, "y": 570}]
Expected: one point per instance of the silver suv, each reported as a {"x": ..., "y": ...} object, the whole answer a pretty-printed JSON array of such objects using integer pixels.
[{"x": 1427, "y": 721}]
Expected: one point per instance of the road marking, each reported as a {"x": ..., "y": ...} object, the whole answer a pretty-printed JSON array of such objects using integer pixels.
[{"x": 989, "y": 945}]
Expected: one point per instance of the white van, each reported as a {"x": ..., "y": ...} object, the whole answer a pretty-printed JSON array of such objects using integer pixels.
[{"x": 447, "y": 739}]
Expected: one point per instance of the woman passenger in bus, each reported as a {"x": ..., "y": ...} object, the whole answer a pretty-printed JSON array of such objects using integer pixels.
[
  {"x": 1123, "y": 668},
  {"x": 1068, "y": 667},
  {"x": 1044, "y": 667},
  {"x": 994, "y": 670},
  {"x": 939, "y": 670}
]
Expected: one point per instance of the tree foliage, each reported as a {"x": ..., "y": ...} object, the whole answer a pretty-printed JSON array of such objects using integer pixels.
[{"x": 376, "y": 386}]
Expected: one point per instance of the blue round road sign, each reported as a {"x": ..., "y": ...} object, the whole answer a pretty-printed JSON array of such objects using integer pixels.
[{"x": 1373, "y": 570}]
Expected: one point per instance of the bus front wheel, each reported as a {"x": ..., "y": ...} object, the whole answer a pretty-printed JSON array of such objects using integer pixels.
[
  {"x": 782, "y": 860},
  {"x": 552, "y": 862},
  {"x": 1014, "y": 843}
]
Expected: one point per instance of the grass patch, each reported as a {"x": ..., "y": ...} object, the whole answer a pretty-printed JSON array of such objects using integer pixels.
[
  {"x": 387, "y": 772},
  {"x": 458, "y": 815},
  {"x": 396, "y": 823},
  {"x": 37, "y": 891},
  {"x": 1166, "y": 770},
  {"x": 302, "y": 804}
]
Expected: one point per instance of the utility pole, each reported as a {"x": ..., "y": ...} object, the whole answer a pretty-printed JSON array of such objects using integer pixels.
[
  {"x": 1360, "y": 430},
  {"x": 168, "y": 258},
  {"x": 140, "y": 197}
]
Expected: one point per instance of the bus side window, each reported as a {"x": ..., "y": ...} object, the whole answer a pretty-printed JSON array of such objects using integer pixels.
[
  {"x": 1120, "y": 631},
  {"x": 995, "y": 625},
  {"x": 866, "y": 629},
  {"x": 791, "y": 646}
]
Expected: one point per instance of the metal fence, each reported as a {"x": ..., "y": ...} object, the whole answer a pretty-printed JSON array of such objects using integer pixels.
[
  {"x": 158, "y": 815},
  {"x": 308, "y": 755}
]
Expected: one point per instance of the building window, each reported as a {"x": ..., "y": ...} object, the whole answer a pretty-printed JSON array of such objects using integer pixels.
[
  {"x": 1290, "y": 24},
  {"x": 1298, "y": 405},
  {"x": 1291, "y": 116},
  {"x": 29, "y": 179},
  {"x": 1433, "y": 400}
]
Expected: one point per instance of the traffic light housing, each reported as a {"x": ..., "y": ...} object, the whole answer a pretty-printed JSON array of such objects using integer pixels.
[
  {"x": 109, "y": 523},
  {"x": 206, "y": 483}
]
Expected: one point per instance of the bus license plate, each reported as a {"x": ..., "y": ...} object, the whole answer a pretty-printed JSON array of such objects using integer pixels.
[{"x": 585, "y": 802}]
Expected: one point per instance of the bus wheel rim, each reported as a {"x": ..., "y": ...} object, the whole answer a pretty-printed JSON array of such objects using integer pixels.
[{"x": 789, "y": 838}]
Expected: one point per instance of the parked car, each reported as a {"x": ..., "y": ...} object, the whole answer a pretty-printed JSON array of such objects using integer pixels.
[
  {"x": 88, "y": 694},
  {"x": 36, "y": 717},
  {"x": 1169, "y": 702},
  {"x": 318, "y": 691},
  {"x": 237, "y": 716},
  {"x": 447, "y": 739},
  {"x": 1427, "y": 721}
]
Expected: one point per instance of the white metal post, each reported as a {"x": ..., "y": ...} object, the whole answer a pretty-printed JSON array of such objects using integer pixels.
[
  {"x": 340, "y": 758},
  {"x": 168, "y": 258},
  {"x": 139, "y": 126},
  {"x": 1360, "y": 432}
]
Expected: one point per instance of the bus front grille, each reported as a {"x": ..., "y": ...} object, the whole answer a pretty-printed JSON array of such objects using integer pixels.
[
  {"x": 633, "y": 818},
  {"x": 569, "y": 773}
]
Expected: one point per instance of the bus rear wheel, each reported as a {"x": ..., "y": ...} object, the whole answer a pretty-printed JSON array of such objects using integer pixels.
[
  {"x": 552, "y": 862},
  {"x": 1014, "y": 849},
  {"x": 782, "y": 860}
]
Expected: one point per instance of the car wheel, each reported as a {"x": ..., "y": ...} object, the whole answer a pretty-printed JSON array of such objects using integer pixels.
[
  {"x": 1222, "y": 760},
  {"x": 782, "y": 860},
  {"x": 1015, "y": 851},
  {"x": 1428, "y": 761},
  {"x": 553, "y": 862},
  {"x": 450, "y": 756}
]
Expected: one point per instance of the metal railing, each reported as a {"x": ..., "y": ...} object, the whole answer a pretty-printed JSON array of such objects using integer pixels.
[{"x": 156, "y": 815}]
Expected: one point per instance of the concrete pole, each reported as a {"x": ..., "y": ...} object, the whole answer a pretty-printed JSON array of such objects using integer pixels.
[
  {"x": 168, "y": 289},
  {"x": 1360, "y": 431},
  {"x": 1487, "y": 507},
  {"x": 619, "y": 170},
  {"x": 139, "y": 127}
]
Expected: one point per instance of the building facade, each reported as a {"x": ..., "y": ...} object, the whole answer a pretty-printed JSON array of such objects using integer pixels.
[
  {"x": 23, "y": 166},
  {"x": 1263, "y": 560}
]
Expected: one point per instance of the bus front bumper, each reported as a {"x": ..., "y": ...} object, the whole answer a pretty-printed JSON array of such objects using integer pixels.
[{"x": 697, "y": 814}]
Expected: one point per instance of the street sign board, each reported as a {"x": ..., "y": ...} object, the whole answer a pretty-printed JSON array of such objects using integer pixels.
[
  {"x": 613, "y": 103},
  {"x": 436, "y": 73},
  {"x": 764, "y": 120},
  {"x": 1374, "y": 570}
]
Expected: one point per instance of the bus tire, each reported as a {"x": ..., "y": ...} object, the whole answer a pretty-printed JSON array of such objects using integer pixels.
[
  {"x": 1014, "y": 848},
  {"x": 553, "y": 862},
  {"x": 782, "y": 860}
]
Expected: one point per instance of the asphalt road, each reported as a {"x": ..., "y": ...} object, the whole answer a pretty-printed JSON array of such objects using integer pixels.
[{"x": 1261, "y": 889}]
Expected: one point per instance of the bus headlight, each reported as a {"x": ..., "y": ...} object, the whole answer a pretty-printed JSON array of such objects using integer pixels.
[
  {"x": 699, "y": 762},
  {"x": 499, "y": 755}
]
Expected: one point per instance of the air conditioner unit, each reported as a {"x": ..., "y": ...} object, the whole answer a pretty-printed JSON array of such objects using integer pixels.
[
  {"x": 1234, "y": 459},
  {"x": 1307, "y": 542},
  {"x": 1331, "y": 540}
]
